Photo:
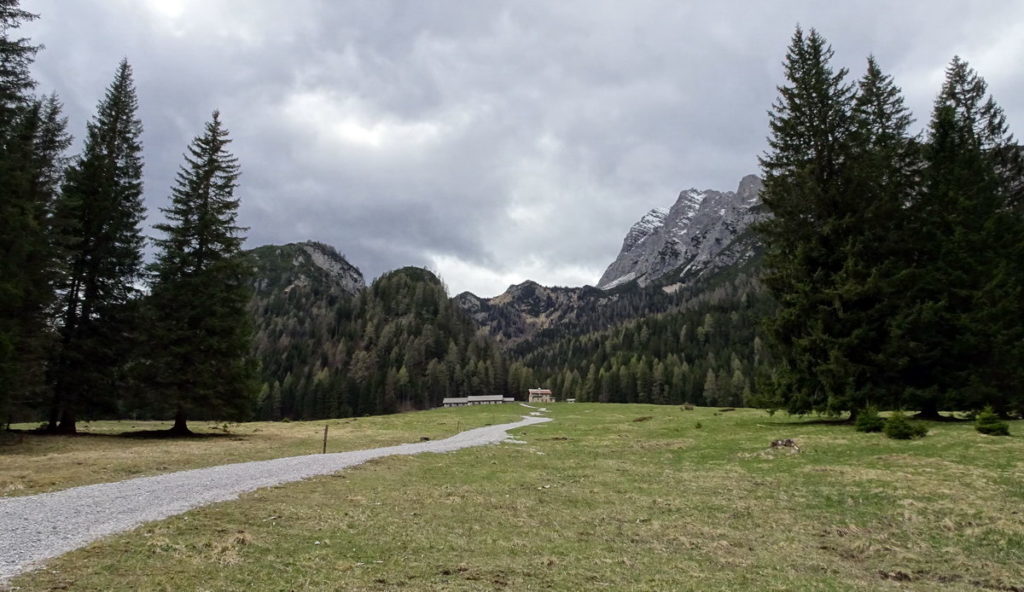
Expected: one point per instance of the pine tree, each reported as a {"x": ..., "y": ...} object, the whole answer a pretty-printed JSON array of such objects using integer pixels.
[
  {"x": 16, "y": 219},
  {"x": 32, "y": 142},
  {"x": 882, "y": 171},
  {"x": 101, "y": 208},
  {"x": 711, "y": 391},
  {"x": 201, "y": 323},
  {"x": 807, "y": 189},
  {"x": 33, "y": 165},
  {"x": 16, "y": 56},
  {"x": 961, "y": 321}
]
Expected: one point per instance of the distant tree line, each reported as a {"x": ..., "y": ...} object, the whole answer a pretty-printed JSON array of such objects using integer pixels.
[
  {"x": 399, "y": 345},
  {"x": 709, "y": 350},
  {"x": 79, "y": 334},
  {"x": 895, "y": 259}
]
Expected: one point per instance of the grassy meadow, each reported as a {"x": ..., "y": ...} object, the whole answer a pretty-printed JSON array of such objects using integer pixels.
[
  {"x": 606, "y": 497},
  {"x": 113, "y": 450}
]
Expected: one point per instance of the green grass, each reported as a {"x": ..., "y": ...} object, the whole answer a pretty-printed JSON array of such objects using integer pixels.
[{"x": 598, "y": 501}]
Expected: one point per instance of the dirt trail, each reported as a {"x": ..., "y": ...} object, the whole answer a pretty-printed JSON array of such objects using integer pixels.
[{"x": 38, "y": 527}]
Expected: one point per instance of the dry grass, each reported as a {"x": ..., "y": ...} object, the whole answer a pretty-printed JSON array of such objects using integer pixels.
[
  {"x": 596, "y": 501},
  {"x": 33, "y": 463}
]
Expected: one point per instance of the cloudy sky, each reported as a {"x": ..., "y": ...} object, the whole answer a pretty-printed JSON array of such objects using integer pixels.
[{"x": 490, "y": 141}]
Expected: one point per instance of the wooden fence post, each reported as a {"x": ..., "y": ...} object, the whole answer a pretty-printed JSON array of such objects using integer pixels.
[{"x": 325, "y": 439}]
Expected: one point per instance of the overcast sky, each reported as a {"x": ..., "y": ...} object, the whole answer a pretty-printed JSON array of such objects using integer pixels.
[{"x": 490, "y": 141}]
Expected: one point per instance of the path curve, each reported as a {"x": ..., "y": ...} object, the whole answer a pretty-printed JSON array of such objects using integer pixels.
[{"x": 38, "y": 527}]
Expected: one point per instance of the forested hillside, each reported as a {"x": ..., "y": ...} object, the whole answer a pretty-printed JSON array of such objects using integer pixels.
[
  {"x": 329, "y": 348},
  {"x": 708, "y": 349},
  {"x": 529, "y": 313}
]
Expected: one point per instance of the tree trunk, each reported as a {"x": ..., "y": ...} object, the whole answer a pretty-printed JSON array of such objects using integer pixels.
[
  {"x": 180, "y": 427},
  {"x": 54, "y": 420},
  {"x": 67, "y": 424},
  {"x": 929, "y": 410}
]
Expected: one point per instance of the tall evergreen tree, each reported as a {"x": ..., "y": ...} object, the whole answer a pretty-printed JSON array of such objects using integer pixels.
[
  {"x": 34, "y": 164},
  {"x": 807, "y": 188},
  {"x": 101, "y": 209},
  {"x": 32, "y": 141},
  {"x": 882, "y": 172},
  {"x": 200, "y": 297},
  {"x": 16, "y": 56},
  {"x": 959, "y": 330}
]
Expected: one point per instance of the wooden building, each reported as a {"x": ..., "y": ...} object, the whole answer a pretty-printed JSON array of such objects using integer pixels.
[
  {"x": 541, "y": 396},
  {"x": 476, "y": 400}
]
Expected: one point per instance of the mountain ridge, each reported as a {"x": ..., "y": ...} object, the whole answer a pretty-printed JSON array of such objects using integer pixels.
[{"x": 689, "y": 236}]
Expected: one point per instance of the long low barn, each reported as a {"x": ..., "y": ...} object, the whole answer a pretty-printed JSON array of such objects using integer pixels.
[{"x": 476, "y": 400}]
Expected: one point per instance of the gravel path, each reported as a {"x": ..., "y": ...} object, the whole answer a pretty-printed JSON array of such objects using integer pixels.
[{"x": 38, "y": 527}]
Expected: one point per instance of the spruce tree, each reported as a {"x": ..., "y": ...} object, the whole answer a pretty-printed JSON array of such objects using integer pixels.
[
  {"x": 16, "y": 56},
  {"x": 882, "y": 171},
  {"x": 807, "y": 187},
  {"x": 33, "y": 164},
  {"x": 201, "y": 328},
  {"x": 32, "y": 142},
  {"x": 100, "y": 210},
  {"x": 960, "y": 326}
]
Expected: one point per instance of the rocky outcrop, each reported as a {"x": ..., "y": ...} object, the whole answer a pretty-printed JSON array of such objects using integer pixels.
[
  {"x": 525, "y": 309},
  {"x": 691, "y": 239},
  {"x": 308, "y": 265}
]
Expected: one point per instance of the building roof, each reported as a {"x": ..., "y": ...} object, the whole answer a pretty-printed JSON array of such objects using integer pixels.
[
  {"x": 540, "y": 391},
  {"x": 455, "y": 400},
  {"x": 473, "y": 398}
]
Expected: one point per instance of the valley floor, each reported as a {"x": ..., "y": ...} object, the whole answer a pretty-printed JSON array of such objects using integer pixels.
[
  {"x": 615, "y": 497},
  {"x": 40, "y": 527}
]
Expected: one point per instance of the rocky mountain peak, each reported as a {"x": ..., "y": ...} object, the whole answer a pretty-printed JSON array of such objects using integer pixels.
[
  {"x": 335, "y": 265},
  {"x": 647, "y": 225},
  {"x": 695, "y": 230},
  {"x": 305, "y": 265},
  {"x": 750, "y": 188}
]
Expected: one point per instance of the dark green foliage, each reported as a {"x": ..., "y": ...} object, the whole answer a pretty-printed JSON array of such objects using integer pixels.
[
  {"x": 988, "y": 422},
  {"x": 577, "y": 311},
  {"x": 898, "y": 427},
  {"x": 32, "y": 163},
  {"x": 100, "y": 213},
  {"x": 807, "y": 186},
  {"x": 707, "y": 350},
  {"x": 837, "y": 176},
  {"x": 895, "y": 265},
  {"x": 883, "y": 171},
  {"x": 16, "y": 56},
  {"x": 32, "y": 142},
  {"x": 961, "y": 320},
  {"x": 401, "y": 344},
  {"x": 199, "y": 325},
  {"x": 869, "y": 421}
]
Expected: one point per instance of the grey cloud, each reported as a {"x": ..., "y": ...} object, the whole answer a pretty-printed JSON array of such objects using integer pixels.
[{"x": 494, "y": 141}]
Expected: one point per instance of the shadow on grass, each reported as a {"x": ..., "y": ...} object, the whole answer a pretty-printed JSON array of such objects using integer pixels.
[
  {"x": 800, "y": 420},
  {"x": 171, "y": 435},
  {"x": 14, "y": 437},
  {"x": 847, "y": 421},
  {"x": 951, "y": 418}
]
